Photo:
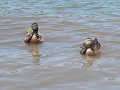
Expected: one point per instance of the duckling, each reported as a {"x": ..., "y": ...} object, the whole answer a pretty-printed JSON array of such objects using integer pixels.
[
  {"x": 33, "y": 35},
  {"x": 90, "y": 47}
]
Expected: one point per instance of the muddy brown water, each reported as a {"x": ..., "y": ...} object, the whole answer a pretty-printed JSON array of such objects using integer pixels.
[{"x": 57, "y": 64}]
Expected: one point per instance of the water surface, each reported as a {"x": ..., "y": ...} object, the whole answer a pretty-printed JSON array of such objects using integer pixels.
[{"x": 57, "y": 64}]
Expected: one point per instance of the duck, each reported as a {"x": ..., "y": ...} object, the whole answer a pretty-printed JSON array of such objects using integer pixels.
[
  {"x": 90, "y": 47},
  {"x": 33, "y": 35}
]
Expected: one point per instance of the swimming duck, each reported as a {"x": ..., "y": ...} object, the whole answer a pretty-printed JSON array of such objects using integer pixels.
[
  {"x": 90, "y": 47},
  {"x": 33, "y": 35}
]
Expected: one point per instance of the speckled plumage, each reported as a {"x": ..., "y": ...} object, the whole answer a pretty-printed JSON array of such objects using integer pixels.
[{"x": 90, "y": 47}]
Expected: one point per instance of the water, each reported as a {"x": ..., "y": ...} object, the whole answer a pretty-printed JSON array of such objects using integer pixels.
[{"x": 57, "y": 64}]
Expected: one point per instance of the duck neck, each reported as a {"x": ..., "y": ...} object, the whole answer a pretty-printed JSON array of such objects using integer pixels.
[{"x": 35, "y": 31}]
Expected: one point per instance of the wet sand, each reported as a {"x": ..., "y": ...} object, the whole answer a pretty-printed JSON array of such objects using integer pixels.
[{"x": 57, "y": 64}]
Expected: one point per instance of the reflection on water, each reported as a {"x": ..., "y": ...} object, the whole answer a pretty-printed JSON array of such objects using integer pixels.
[
  {"x": 90, "y": 60},
  {"x": 35, "y": 52},
  {"x": 88, "y": 64}
]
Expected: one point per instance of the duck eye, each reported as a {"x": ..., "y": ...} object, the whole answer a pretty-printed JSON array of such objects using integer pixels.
[{"x": 34, "y": 27}]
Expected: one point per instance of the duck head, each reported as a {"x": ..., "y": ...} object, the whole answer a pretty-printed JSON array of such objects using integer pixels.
[
  {"x": 34, "y": 27},
  {"x": 88, "y": 42}
]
